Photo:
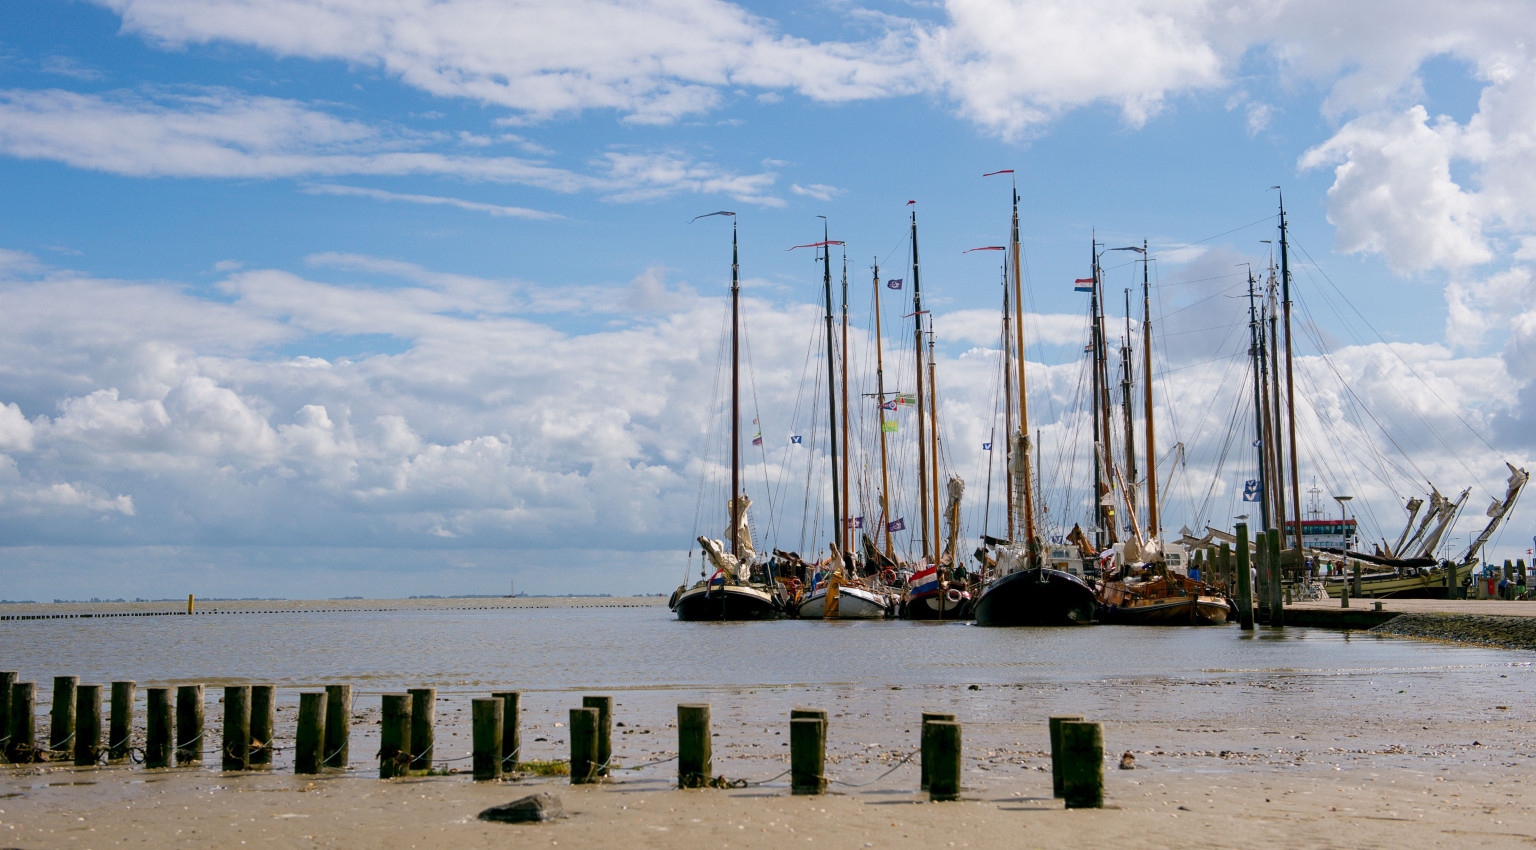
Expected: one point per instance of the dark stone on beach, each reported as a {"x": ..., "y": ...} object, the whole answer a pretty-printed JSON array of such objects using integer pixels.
[
  {"x": 1128, "y": 761},
  {"x": 534, "y": 808}
]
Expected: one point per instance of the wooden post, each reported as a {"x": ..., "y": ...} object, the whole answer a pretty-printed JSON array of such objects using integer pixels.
[
  {"x": 487, "y": 716},
  {"x": 189, "y": 603},
  {"x": 22, "y": 748},
  {"x": 1276, "y": 606},
  {"x": 1227, "y": 576},
  {"x": 87, "y": 725},
  {"x": 1358, "y": 588},
  {"x": 120, "y": 724},
  {"x": 807, "y": 755},
  {"x": 262, "y": 705},
  {"x": 925, "y": 758},
  {"x": 584, "y": 761},
  {"x": 160, "y": 734},
  {"x": 604, "y": 706},
  {"x": 1082, "y": 774},
  {"x": 189, "y": 725},
  {"x": 695, "y": 762},
  {"x": 307, "y": 745},
  {"x": 7, "y": 680},
  {"x": 1057, "y": 759},
  {"x": 942, "y": 739},
  {"x": 1244, "y": 580},
  {"x": 61, "y": 719},
  {"x": 395, "y": 737},
  {"x": 338, "y": 726},
  {"x": 511, "y": 731},
  {"x": 423, "y": 712},
  {"x": 237, "y": 728},
  {"x": 1261, "y": 570}
]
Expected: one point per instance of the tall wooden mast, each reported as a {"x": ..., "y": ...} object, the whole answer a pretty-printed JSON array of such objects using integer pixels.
[
  {"x": 849, "y": 538},
  {"x": 1290, "y": 386},
  {"x": 1031, "y": 543},
  {"x": 1007, "y": 405},
  {"x": 1153, "y": 526},
  {"x": 826, "y": 279},
  {"x": 922, "y": 431},
  {"x": 735, "y": 394},
  {"x": 885, "y": 477}
]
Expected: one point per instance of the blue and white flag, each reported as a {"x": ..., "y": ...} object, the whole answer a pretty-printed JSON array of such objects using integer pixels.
[
  {"x": 1251, "y": 490},
  {"x": 1258, "y": 443},
  {"x": 897, "y": 524},
  {"x": 986, "y": 447},
  {"x": 894, "y": 283},
  {"x": 855, "y": 522},
  {"x": 795, "y": 439}
]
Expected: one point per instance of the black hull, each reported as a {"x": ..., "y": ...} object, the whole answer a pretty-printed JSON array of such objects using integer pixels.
[
  {"x": 727, "y": 604},
  {"x": 921, "y": 609},
  {"x": 1042, "y": 597}
]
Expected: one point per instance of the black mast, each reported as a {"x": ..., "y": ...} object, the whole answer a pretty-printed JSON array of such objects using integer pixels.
[
  {"x": 826, "y": 279},
  {"x": 1256, "y": 349},
  {"x": 922, "y": 431}
]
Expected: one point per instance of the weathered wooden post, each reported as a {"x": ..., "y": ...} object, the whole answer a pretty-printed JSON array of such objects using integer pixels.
[
  {"x": 807, "y": 753},
  {"x": 338, "y": 726},
  {"x": 61, "y": 719},
  {"x": 695, "y": 762},
  {"x": 925, "y": 757},
  {"x": 511, "y": 729},
  {"x": 236, "y": 731},
  {"x": 7, "y": 679},
  {"x": 395, "y": 737},
  {"x": 120, "y": 722},
  {"x": 584, "y": 761},
  {"x": 307, "y": 745},
  {"x": 1244, "y": 580},
  {"x": 1082, "y": 773},
  {"x": 1358, "y": 588},
  {"x": 423, "y": 713},
  {"x": 160, "y": 733},
  {"x": 189, "y": 725},
  {"x": 487, "y": 716},
  {"x": 942, "y": 738},
  {"x": 1261, "y": 573},
  {"x": 87, "y": 725},
  {"x": 1057, "y": 757},
  {"x": 262, "y": 708},
  {"x": 1227, "y": 576},
  {"x": 604, "y": 706},
  {"x": 22, "y": 747},
  {"x": 1276, "y": 572}
]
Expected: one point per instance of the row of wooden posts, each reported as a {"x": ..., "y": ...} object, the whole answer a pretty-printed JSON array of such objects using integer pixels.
[
  {"x": 406, "y": 736},
  {"x": 1233, "y": 567}
]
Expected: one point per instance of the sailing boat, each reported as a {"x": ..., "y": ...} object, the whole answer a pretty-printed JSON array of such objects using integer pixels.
[
  {"x": 839, "y": 593},
  {"x": 738, "y": 589},
  {"x": 1152, "y": 594},
  {"x": 1018, "y": 589},
  {"x": 929, "y": 593}
]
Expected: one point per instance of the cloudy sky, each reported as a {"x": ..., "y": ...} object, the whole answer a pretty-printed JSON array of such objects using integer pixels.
[{"x": 333, "y": 297}]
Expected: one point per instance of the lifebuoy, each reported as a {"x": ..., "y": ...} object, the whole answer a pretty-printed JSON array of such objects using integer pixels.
[
  {"x": 792, "y": 585},
  {"x": 889, "y": 576},
  {"x": 953, "y": 594}
]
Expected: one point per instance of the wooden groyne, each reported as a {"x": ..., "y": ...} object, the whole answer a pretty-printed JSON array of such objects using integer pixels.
[
  {"x": 226, "y": 608},
  {"x": 176, "y": 737}
]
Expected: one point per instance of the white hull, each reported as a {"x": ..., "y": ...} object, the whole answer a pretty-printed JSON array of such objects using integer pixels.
[{"x": 853, "y": 603}]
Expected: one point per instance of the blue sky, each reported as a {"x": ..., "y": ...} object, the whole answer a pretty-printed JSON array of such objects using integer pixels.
[{"x": 313, "y": 297}]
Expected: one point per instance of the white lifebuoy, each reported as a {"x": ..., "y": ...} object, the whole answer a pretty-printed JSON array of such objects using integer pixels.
[{"x": 953, "y": 594}]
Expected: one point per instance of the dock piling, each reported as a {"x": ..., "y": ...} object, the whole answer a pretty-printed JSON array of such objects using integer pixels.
[
  {"x": 423, "y": 713},
  {"x": 695, "y": 762},
  {"x": 189, "y": 725},
  {"x": 1057, "y": 754},
  {"x": 1082, "y": 746},
  {"x": 1276, "y": 607},
  {"x": 307, "y": 755},
  {"x": 161, "y": 730},
  {"x": 7, "y": 679},
  {"x": 261, "y": 725},
  {"x": 584, "y": 733},
  {"x": 120, "y": 722},
  {"x": 338, "y": 726},
  {"x": 807, "y": 754},
  {"x": 1244, "y": 580},
  {"x": 925, "y": 757},
  {"x": 511, "y": 730},
  {"x": 236, "y": 732},
  {"x": 395, "y": 736},
  {"x": 941, "y": 739},
  {"x": 487, "y": 716},
  {"x": 604, "y": 706},
  {"x": 61, "y": 718},
  {"x": 87, "y": 725}
]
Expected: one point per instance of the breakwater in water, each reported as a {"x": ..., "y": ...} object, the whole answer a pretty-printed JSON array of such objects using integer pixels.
[{"x": 1474, "y": 629}]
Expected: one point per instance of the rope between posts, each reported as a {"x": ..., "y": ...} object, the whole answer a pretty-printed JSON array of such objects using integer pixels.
[
  {"x": 648, "y": 764},
  {"x": 513, "y": 757},
  {"x": 909, "y": 757},
  {"x": 187, "y": 745},
  {"x": 63, "y": 746}
]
